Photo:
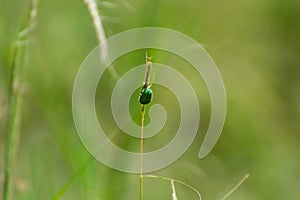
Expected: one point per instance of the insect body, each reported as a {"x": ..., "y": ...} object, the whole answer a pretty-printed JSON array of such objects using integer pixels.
[{"x": 145, "y": 95}]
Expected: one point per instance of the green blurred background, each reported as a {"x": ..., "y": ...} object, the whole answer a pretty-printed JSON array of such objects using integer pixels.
[{"x": 255, "y": 44}]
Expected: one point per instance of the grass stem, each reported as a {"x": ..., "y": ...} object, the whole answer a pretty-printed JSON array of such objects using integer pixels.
[
  {"x": 174, "y": 196},
  {"x": 72, "y": 180},
  {"x": 148, "y": 68},
  {"x": 234, "y": 189},
  {"x": 15, "y": 100},
  {"x": 141, "y": 152},
  {"x": 175, "y": 181},
  {"x": 101, "y": 36}
]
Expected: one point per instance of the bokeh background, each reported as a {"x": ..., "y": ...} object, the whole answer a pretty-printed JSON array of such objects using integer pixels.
[{"x": 255, "y": 44}]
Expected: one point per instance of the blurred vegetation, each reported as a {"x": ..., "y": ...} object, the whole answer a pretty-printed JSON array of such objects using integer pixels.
[{"x": 254, "y": 43}]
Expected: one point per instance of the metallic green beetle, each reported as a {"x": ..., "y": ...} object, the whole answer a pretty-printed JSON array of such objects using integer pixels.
[{"x": 146, "y": 95}]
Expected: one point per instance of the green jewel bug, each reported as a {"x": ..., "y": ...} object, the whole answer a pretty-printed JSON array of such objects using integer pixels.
[{"x": 145, "y": 95}]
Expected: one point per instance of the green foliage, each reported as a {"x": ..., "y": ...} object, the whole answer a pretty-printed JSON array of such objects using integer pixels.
[{"x": 254, "y": 43}]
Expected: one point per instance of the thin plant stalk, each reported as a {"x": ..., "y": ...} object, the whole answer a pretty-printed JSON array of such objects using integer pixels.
[
  {"x": 149, "y": 66},
  {"x": 75, "y": 177},
  {"x": 141, "y": 152},
  {"x": 175, "y": 181},
  {"x": 15, "y": 98},
  {"x": 236, "y": 187},
  {"x": 174, "y": 196},
  {"x": 101, "y": 36},
  {"x": 12, "y": 133}
]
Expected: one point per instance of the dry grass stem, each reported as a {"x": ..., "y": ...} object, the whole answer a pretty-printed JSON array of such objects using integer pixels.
[
  {"x": 236, "y": 187},
  {"x": 93, "y": 10}
]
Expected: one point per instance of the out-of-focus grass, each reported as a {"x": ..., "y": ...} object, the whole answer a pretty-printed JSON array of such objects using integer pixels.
[{"x": 256, "y": 46}]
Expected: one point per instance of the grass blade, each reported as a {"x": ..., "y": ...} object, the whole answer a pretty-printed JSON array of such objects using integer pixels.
[{"x": 15, "y": 99}]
